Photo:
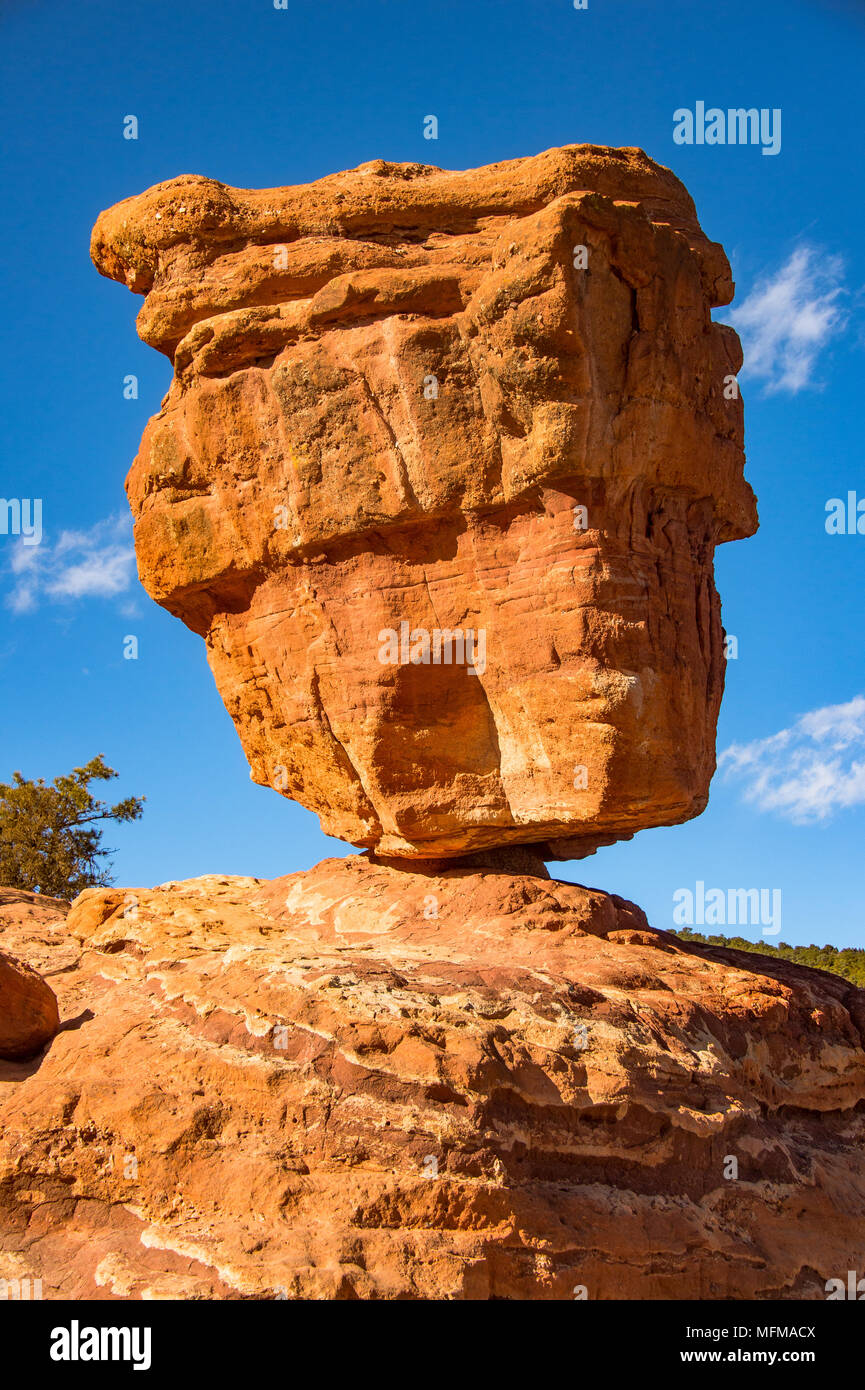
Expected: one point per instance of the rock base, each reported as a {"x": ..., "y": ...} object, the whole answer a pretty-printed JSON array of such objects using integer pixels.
[{"x": 365, "y": 1081}]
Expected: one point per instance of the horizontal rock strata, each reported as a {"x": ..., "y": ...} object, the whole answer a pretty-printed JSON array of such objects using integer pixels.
[
  {"x": 409, "y": 404},
  {"x": 360, "y": 1082}
]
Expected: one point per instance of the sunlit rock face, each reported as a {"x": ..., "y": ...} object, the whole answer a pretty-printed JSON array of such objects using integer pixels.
[
  {"x": 439, "y": 478},
  {"x": 310, "y": 1088}
]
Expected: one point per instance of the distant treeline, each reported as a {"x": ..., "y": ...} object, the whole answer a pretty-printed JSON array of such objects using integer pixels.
[{"x": 849, "y": 963}]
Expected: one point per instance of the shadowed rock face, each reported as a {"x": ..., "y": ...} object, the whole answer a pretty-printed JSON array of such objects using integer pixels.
[{"x": 414, "y": 402}]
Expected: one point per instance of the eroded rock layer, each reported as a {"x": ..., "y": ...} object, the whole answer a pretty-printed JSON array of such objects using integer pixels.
[
  {"x": 360, "y": 1082},
  {"x": 409, "y": 403}
]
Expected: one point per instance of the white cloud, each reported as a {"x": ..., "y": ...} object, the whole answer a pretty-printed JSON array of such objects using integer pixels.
[
  {"x": 807, "y": 772},
  {"x": 789, "y": 317},
  {"x": 99, "y": 563}
]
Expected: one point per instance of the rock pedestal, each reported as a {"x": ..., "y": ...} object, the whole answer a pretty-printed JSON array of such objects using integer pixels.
[{"x": 365, "y": 1082}]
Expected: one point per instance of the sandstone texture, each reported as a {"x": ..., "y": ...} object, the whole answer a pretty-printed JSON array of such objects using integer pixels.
[
  {"x": 360, "y": 1082},
  {"x": 28, "y": 1006},
  {"x": 419, "y": 402}
]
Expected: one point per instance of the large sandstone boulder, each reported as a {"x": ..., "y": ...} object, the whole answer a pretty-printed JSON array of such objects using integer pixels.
[
  {"x": 28, "y": 1009},
  {"x": 409, "y": 403},
  {"x": 363, "y": 1082}
]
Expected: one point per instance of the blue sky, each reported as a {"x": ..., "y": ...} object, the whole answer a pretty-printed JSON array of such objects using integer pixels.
[{"x": 257, "y": 97}]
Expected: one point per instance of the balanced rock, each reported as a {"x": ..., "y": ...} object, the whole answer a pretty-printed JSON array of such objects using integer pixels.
[
  {"x": 439, "y": 478},
  {"x": 367, "y": 1082}
]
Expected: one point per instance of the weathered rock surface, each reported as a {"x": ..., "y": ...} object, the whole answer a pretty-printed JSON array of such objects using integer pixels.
[
  {"x": 28, "y": 1006},
  {"x": 360, "y": 1082},
  {"x": 28, "y": 1009},
  {"x": 394, "y": 390}
]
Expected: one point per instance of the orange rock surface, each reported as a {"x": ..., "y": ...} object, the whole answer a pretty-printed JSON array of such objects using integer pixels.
[
  {"x": 363, "y": 1082},
  {"x": 409, "y": 403},
  {"x": 28, "y": 1007}
]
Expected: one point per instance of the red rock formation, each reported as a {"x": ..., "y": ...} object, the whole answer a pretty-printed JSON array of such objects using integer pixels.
[
  {"x": 364, "y": 1082},
  {"x": 414, "y": 402},
  {"x": 404, "y": 396}
]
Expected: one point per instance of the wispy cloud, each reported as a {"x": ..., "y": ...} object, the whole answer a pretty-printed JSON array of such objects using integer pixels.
[
  {"x": 789, "y": 317},
  {"x": 807, "y": 772},
  {"x": 98, "y": 563}
]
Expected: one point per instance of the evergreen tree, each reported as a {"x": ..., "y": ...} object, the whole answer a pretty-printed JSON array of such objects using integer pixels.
[
  {"x": 849, "y": 962},
  {"x": 50, "y": 839}
]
